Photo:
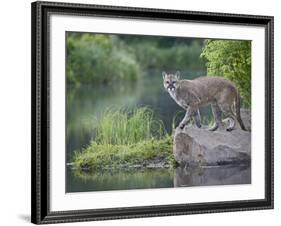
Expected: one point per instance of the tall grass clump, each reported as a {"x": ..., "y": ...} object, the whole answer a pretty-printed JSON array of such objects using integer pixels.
[
  {"x": 125, "y": 127},
  {"x": 124, "y": 139}
]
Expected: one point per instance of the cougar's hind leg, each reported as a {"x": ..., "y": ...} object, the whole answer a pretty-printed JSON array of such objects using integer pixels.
[
  {"x": 217, "y": 113},
  {"x": 226, "y": 109},
  {"x": 197, "y": 118}
]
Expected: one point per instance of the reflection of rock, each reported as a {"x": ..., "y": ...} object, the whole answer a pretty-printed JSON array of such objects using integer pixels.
[
  {"x": 185, "y": 176},
  {"x": 194, "y": 146}
]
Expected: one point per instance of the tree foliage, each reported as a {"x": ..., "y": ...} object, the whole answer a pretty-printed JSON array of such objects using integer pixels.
[
  {"x": 98, "y": 58},
  {"x": 179, "y": 56},
  {"x": 232, "y": 60}
]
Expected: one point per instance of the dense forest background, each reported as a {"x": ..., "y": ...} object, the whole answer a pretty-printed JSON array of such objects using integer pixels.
[{"x": 103, "y": 59}]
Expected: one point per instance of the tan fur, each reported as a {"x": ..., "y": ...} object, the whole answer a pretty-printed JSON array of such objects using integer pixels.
[{"x": 193, "y": 94}]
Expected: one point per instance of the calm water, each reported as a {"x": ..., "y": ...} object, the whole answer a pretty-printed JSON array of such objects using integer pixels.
[
  {"x": 159, "y": 178},
  {"x": 87, "y": 102}
]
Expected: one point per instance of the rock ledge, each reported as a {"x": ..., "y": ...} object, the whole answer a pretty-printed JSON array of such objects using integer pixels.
[{"x": 194, "y": 146}]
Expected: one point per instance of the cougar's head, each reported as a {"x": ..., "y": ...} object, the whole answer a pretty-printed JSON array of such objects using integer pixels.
[{"x": 170, "y": 81}]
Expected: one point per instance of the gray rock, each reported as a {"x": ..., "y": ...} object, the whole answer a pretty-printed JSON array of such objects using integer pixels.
[
  {"x": 199, "y": 146},
  {"x": 246, "y": 118}
]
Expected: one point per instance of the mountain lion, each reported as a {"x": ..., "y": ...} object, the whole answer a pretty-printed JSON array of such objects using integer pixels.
[{"x": 220, "y": 93}]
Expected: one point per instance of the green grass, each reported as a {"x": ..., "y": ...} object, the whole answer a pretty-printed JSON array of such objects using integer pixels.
[
  {"x": 126, "y": 139},
  {"x": 121, "y": 127}
]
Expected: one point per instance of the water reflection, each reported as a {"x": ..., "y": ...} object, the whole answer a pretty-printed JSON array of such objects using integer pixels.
[
  {"x": 159, "y": 178},
  {"x": 136, "y": 179},
  {"x": 221, "y": 175}
]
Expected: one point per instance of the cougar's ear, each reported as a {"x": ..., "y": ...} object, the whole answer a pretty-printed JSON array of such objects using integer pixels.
[
  {"x": 178, "y": 74},
  {"x": 164, "y": 74}
]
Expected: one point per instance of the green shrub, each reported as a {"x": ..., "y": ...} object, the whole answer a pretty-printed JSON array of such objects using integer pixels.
[{"x": 231, "y": 59}]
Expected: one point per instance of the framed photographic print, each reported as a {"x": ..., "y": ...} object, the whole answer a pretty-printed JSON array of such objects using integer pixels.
[{"x": 142, "y": 112}]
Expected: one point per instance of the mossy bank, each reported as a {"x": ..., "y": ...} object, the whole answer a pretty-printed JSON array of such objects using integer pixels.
[{"x": 144, "y": 154}]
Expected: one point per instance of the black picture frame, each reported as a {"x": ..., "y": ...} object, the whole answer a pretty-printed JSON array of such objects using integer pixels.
[{"x": 40, "y": 211}]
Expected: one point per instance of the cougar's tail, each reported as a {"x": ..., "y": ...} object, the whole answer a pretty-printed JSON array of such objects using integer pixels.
[{"x": 238, "y": 116}]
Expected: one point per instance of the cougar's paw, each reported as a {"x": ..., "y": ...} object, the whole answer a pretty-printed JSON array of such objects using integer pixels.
[
  {"x": 198, "y": 125},
  {"x": 214, "y": 128},
  {"x": 229, "y": 129},
  {"x": 182, "y": 125}
]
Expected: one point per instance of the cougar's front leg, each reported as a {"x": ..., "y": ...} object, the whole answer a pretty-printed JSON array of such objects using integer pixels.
[{"x": 187, "y": 117}]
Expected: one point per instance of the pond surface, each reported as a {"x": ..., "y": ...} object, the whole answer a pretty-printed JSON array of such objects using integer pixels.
[
  {"x": 158, "y": 178},
  {"x": 86, "y": 102}
]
